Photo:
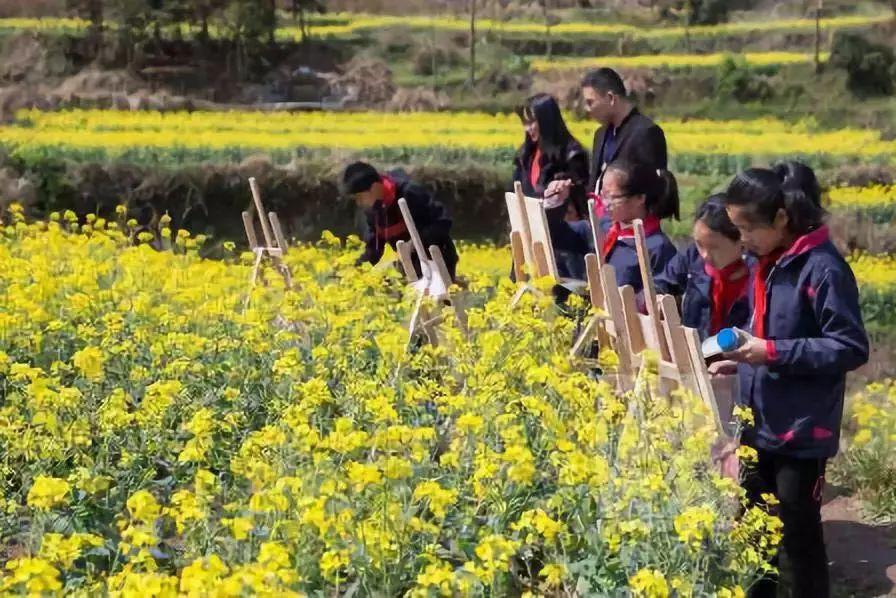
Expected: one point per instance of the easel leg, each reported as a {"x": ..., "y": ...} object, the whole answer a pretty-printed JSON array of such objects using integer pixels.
[
  {"x": 255, "y": 268},
  {"x": 415, "y": 316},
  {"x": 519, "y": 294},
  {"x": 586, "y": 335}
]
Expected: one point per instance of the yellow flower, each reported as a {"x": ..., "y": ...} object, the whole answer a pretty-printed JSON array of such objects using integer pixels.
[
  {"x": 649, "y": 583},
  {"x": 439, "y": 498},
  {"x": 553, "y": 574},
  {"x": 47, "y": 492},
  {"x": 747, "y": 454},
  {"x": 862, "y": 437},
  {"x": 694, "y": 525},
  {"x": 240, "y": 527},
  {"x": 36, "y": 574},
  {"x": 90, "y": 361},
  {"x": 143, "y": 506},
  {"x": 332, "y": 562}
]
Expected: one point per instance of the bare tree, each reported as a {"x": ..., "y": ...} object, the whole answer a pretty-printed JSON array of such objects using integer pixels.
[{"x": 472, "y": 43}]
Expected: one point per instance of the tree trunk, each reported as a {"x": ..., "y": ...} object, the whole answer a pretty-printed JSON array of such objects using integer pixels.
[
  {"x": 302, "y": 26},
  {"x": 818, "y": 36},
  {"x": 547, "y": 29},
  {"x": 95, "y": 15},
  {"x": 472, "y": 43},
  {"x": 272, "y": 25}
]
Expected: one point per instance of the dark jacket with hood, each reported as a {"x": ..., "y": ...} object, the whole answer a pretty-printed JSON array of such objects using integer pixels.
[
  {"x": 815, "y": 335},
  {"x": 386, "y": 225}
]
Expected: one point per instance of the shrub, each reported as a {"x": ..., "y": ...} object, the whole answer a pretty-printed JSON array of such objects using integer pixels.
[{"x": 870, "y": 67}]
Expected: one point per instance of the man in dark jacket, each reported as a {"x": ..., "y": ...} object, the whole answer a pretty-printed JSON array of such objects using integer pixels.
[
  {"x": 625, "y": 133},
  {"x": 378, "y": 195}
]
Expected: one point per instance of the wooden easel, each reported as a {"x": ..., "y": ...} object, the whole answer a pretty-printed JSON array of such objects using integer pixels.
[
  {"x": 275, "y": 245},
  {"x": 530, "y": 243},
  {"x": 432, "y": 289},
  {"x": 705, "y": 386}
]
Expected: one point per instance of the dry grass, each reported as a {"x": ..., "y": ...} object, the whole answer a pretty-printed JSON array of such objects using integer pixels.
[{"x": 31, "y": 8}]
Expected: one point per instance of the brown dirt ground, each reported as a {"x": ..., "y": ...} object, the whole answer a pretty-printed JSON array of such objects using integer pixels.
[{"x": 862, "y": 555}]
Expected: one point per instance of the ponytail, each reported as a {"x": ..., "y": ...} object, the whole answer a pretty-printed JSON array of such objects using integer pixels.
[
  {"x": 802, "y": 196},
  {"x": 658, "y": 186},
  {"x": 789, "y": 186}
]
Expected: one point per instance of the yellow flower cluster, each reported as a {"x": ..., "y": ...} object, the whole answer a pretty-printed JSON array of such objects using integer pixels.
[
  {"x": 353, "y": 23},
  {"x": 57, "y": 24},
  {"x": 346, "y": 24},
  {"x": 670, "y": 61},
  {"x": 868, "y": 466},
  {"x": 301, "y": 445},
  {"x": 874, "y": 271},
  {"x": 114, "y": 132},
  {"x": 878, "y": 202}
]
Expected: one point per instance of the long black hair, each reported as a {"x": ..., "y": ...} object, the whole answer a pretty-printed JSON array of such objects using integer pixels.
[
  {"x": 553, "y": 134},
  {"x": 790, "y": 186},
  {"x": 659, "y": 187},
  {"x": 713, "y": 214}
]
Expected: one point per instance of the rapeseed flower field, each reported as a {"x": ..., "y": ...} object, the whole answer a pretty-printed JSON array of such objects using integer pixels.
[{"x": 159, "y": 437}]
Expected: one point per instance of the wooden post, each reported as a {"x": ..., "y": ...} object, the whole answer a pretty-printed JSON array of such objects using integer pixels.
[
  {"x": 632, "y": 319},
  {"x": 519, "y": 256},
  {"x": 250, "y": 230},
  {"x": 541, "y": 259},
  {"x": 649, "y": 289},
  {"x": 259, "y": 209},
  {"x": 404, "y": 255},
  {"x": 595, "y": 285},
  {"x": 278, "y": 233},
  {"x": 702, "y": 377},
  {"x": 527, "y": 231},
  {"x": 597, "y": 235},
  {"x": 412, "y": 230}
]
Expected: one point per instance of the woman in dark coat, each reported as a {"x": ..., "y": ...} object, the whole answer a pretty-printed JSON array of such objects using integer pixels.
[{"x": 549, "y": 152}]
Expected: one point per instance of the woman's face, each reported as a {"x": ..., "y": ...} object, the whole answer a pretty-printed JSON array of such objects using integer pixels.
[
  {"x": 716, "y": 249},
  {"x": 759, "y": 238},
  {"x": 532, "y": 131},
  {"x": 623, "y": 207}
]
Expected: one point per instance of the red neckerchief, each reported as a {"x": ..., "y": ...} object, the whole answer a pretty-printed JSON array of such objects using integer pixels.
[
  {"x": 616, "y": 232},
  {"x": 726, "y": 289},
  {"x": 535, "y": 169},
  {"x": 803, "y": 244},
  {"x": 759, "y": 295},
  {"x": 390, "y": 190}
]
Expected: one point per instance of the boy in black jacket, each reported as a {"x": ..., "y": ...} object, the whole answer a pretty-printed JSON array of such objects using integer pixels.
[{"x": 378, "y": 195}]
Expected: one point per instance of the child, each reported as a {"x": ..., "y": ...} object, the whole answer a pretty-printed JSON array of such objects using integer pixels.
[
  {"x": 631, "y": 191},
  {"x": 710, "y": 276},
  {"x": 807, "y": 333},
  {"x": 378, "y": 195}
]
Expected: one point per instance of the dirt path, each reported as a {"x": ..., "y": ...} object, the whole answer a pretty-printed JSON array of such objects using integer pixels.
[{"x": 862, "y": 556}]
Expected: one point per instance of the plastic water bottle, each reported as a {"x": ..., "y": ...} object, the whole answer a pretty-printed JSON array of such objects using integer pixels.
[{"x": 727, "y": 339}]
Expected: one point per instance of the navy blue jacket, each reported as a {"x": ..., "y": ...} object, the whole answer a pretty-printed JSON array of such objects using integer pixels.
[
  {"x": 385, "y": 223},
  {"x": 624, "y": 259},
  {"x": 815, "y": 336},
  {"x": 686, "y": 277}
]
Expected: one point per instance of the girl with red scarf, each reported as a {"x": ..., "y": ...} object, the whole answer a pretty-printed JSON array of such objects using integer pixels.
[
  {"x": 631, "y": 191},
  {"x": 807, "y": 333},
  {"x": 711, "y": 276}
]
